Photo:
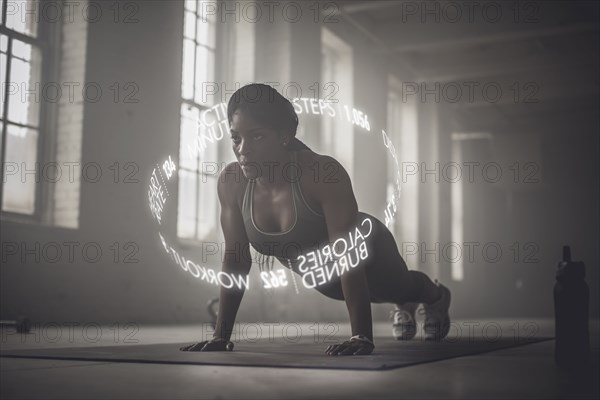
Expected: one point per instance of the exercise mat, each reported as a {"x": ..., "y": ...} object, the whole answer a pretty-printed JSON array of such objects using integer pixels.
[{"x": 388, "y": 354}]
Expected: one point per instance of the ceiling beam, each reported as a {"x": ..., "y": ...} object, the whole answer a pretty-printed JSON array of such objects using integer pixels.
[
  {"x": 504, "y": 70},
  {"x": 556, "y": 96},
  {"x": 493, "y": 39},
  {"x": 368, "y": 6}
]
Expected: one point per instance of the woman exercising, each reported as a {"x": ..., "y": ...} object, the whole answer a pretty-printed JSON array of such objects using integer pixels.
[{"x": 303, "y": 209}]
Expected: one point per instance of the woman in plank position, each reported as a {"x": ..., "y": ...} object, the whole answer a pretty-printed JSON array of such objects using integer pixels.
[{"x": 288, "y": 212}]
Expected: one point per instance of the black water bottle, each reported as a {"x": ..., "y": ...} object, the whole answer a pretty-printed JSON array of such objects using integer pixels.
[{"x": 571, "y": 311}]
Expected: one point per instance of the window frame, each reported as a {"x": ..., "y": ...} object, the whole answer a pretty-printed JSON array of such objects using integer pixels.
[
  {"x": 47, "y": 39},
  {"x": 217, "y": 52}
]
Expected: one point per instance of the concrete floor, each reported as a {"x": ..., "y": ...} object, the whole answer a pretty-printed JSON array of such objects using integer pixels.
[{"x": 520, "y": 372}]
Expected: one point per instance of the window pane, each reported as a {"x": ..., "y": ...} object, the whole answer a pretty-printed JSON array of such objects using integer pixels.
[
  {"x": 2, "y": 80},
  {"x": 21, "y": 153},
  {"x": 210, "y": 6},
  {"x": 190, "y": 5},
  {"x": 3, "y": 43},
  {"x": 189, "y": 25},
  {"x": 204, "y": 74},
  {"x": 187, "y": 76},
  {"x": 209, "y": 134},
  {"x": 22, "y": 16},
  {"x": 207, "y": 205},
  {"x": 188, "y": 132},
  {"x": 21, "y": 50},
  {"x": 24, "y": 100},
  {"x": 186, "y": 213},
  {"x": 206, "y": 32}
]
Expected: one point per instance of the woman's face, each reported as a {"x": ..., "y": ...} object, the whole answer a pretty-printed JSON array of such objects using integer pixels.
[{"x": 254, "y": 144}]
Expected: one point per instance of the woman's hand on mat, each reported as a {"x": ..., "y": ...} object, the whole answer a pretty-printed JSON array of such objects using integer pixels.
[
  {"x": 354, "y": 346},
  {"x": 216, "y": 344}
]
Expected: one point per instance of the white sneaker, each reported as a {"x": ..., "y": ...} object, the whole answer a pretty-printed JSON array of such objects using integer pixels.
[
  {"x": 405, "y": 326},
  {"x": 437, "y": 318}
]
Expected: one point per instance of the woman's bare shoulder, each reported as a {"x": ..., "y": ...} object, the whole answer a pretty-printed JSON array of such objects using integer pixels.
[
  {"x": 318, "y": 163},
  {"x": 308, "y": 158},
  {"x": 232, "y": 181},
  {"x": 319, "y": 173}
]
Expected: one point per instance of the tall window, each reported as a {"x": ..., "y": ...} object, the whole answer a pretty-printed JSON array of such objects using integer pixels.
[
  {"x": 336, "y": 84},
  {"x": 22, "y": 44},
  {"x": 197, "y": 208},
  {"x": 403, "y": 131},
  {"x": 458, "y": 196}
]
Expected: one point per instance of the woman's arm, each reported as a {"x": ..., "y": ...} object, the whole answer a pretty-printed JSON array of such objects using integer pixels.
[
  {"x": 236, "y": 246},
  {"x": 341, "y": 214},
  {"x": 234, "y": 262}
]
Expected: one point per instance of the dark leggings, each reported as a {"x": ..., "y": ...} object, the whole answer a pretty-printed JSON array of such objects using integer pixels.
[{"x": 389, "y": 279}]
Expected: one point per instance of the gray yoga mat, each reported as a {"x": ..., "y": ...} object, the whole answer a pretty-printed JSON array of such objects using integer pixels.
[{"x": 388, "y": 353}]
